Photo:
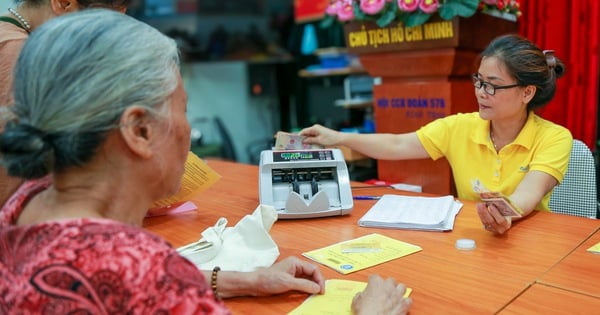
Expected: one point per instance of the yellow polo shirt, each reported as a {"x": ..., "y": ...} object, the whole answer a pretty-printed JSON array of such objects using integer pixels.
[{"x": 464, "y": 139}]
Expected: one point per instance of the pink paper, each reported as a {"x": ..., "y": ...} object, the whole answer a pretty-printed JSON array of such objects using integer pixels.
[{"x": 173, "y": 209}]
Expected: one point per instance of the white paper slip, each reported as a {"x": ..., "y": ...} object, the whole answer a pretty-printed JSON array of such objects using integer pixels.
[{"x": 412, "y": 212}]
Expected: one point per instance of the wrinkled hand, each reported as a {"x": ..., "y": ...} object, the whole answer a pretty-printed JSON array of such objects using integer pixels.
[
  {"x": 492, "y": 219},
  {"x": 317, "y": 134},
  {"x": 381, "y": 297},
  {"x": 288, "y": 275}
]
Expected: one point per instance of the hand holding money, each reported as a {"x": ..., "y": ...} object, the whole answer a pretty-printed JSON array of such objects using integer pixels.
[
  {"x": 291, "y": 141},
  {"x": 504, "y": 205}
]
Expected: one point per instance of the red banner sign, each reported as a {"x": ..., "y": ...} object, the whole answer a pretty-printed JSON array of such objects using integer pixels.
[{"x": 309, "y": 10}]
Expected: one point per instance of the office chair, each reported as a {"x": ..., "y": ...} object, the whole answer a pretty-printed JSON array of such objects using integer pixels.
[
  {"x": 576, "y": 195},
  {"x": 223, "y": 148},
  {"x": 228, "y": 151}
]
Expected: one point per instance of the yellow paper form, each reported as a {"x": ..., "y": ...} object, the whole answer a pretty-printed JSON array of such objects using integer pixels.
[
  {"x": 336, "y": 300},
  {"x": 197, "y": 177},
  {"x": 360, "y": 253},
  {"x": 595, "y": 249}
]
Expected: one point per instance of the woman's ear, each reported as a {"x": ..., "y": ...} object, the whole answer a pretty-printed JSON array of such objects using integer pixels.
[
  {"x": 137, "y": 130},
  {"x": 529, "y": 93},
  {"x": 60, "y": 7}
]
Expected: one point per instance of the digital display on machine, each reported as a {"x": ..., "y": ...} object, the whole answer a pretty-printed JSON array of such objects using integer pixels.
[{"x": 289, "y": 156}]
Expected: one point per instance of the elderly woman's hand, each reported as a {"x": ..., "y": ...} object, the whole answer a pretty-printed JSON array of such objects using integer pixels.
[
  {"x": 290, "y": 274},
  {"x": 381, "y": 297}
]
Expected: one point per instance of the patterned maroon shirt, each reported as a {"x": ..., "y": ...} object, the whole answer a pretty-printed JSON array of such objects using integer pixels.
[{"x": 93, "y": 266}]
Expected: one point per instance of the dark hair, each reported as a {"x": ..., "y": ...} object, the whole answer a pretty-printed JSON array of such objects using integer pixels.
[{"x": 529, "y": 65}]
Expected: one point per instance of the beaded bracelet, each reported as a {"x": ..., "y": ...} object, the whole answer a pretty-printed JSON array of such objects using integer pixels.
[{"x": 213, "y": 280}]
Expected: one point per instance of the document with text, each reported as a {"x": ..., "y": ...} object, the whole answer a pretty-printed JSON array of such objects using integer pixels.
[
  {"x": 336, "y": 300},
  {"x": 361, "y": 253},
  {"x": 412, "y": 212},
  {"x": 197, "y": 177}
]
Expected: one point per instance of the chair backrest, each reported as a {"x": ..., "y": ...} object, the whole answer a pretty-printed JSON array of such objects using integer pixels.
[
  {"x": 210, "y": 138},
  {"x": 576, "y": 195},
  {"x": 228, "y": 151}
]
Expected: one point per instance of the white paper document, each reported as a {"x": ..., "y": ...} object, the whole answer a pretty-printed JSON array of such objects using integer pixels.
[{"x": 414, "y": 213}]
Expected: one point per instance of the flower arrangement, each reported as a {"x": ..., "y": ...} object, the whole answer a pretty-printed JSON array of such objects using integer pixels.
[{"x": 412, "y": 12}]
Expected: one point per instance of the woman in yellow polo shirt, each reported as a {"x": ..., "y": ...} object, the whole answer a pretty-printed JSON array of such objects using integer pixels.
[{"x": 505, "y": 145}]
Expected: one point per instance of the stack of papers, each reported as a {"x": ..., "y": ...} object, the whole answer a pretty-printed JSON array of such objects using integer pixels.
[
  {"x": 414, "y": 213},
  {"x": 198, "y": 177}
]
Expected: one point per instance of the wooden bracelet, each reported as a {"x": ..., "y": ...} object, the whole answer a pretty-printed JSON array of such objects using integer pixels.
[{"x": 213, "y": 280}]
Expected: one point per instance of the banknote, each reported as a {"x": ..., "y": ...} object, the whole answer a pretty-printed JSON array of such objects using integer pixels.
[
  {"x": 506, "y": 207},
  {"x": 291, "y": 141}
]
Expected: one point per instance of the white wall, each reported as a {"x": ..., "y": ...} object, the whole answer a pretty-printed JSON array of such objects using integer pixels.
[
  {"x": 221, "y": 89},
  {"x": 5, "y": 4}
]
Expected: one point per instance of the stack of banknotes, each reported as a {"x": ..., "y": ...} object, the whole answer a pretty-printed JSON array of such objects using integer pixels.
[{"x": 291, "y": 141}]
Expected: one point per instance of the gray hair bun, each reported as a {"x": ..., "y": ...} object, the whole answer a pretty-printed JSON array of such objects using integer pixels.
[{"x": 30, "y": 151}]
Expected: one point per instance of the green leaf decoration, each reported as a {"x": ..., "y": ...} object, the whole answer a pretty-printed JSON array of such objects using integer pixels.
[
  {"x": 327, "y": 21},
  {"x": 464, "y": 8},
  {"x": 388, "y": 16},
  {"x": 358, "y": 13},
  {"x": 416, "y": 18}
]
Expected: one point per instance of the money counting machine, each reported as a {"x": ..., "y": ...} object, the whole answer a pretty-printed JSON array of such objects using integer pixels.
[{"x": 305, "y": 183}]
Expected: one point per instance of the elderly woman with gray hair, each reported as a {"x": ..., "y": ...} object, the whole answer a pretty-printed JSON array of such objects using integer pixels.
[
  {"x": 15, "y": 25},
  {"x": 100, "y": 105}
]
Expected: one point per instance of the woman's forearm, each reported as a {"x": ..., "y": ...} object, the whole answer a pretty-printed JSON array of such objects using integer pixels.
[{"x": 232, "y": 283}]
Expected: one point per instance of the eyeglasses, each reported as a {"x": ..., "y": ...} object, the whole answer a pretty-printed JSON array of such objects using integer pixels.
[{"x": 488, "y": 87}]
